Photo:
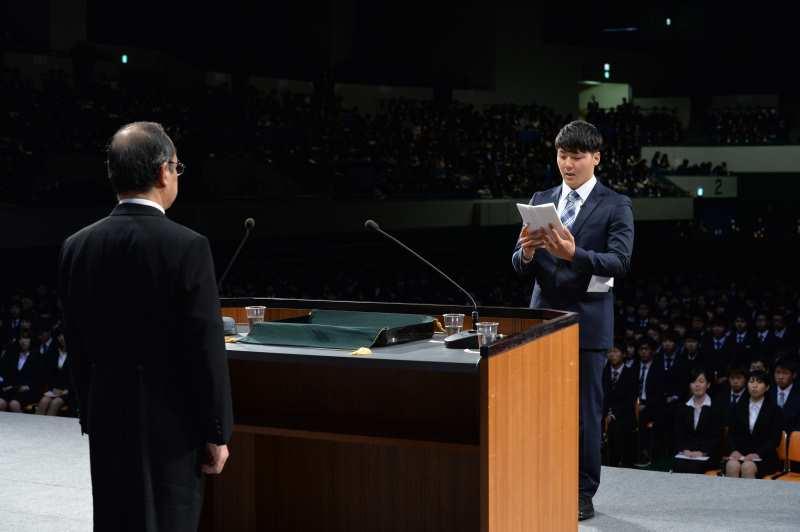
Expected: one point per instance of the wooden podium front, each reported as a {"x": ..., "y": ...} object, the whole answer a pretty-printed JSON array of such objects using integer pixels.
[{"x": 415, "y": 437}]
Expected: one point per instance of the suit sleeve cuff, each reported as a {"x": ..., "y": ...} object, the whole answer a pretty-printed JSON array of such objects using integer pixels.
[{"x": 581, "y": 259}]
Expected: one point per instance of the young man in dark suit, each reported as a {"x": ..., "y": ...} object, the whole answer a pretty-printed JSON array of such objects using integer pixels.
[
  {"x": 785, "y": 395},
  {"x": 619, "y": 398},
  {"x": 731, "y": 392},
  {"x": 742, "y": 341},
  {"x": 719, "y": 352},
  {"x": 572, "y": 266},
  {"x": 157, "y": 406},
  {"x": 650, "y": 393},
  {"x": 764, "y": 344}
]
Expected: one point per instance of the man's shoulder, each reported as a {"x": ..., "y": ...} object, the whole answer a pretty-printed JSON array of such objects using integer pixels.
[
  {"x": 545, "y": 193},
  {"x": 85, "y": 232},
  {"x": 612, "y": 196},
  {"x": 162, "y": 227}
]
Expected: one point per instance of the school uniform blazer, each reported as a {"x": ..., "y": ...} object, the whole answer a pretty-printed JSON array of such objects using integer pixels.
[
  {"x": 766, "y": 433},
  {"x": 620, "y": 398},
  {"x": 706, "y": 437}
]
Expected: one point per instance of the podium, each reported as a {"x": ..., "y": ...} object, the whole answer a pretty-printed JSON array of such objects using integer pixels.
[{"x": 415, "y": 437}]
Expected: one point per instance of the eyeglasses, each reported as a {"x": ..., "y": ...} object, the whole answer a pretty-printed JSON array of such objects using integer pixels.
[{"x": 179, "y": 166}]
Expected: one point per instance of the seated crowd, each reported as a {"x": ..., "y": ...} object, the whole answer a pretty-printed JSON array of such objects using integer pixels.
[
  {"x": 693, "y": 380},
  {"x": 305, "y": 145},
  {"x": 34, "y": 361}
]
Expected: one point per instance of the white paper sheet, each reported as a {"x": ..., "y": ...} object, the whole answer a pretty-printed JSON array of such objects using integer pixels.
[
  {"x": 539, "y": 216},
  {"x": 699, "y": 458},
  {"x": 600, "y": 284}
]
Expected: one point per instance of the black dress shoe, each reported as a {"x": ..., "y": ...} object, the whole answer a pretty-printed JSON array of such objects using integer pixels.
[{"x": 585, "y": 508}]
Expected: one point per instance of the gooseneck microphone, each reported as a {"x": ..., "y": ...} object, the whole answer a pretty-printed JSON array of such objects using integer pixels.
[
  {"x": 249, "y": 224},
  {"x": 462, "y": 339}
]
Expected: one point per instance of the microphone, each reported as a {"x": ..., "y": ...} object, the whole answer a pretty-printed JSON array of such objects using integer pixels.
[
  {"x": 249, "y": 224},
  {"x": 458, "y": 340}
]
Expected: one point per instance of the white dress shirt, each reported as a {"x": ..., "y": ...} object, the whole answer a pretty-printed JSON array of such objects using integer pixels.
[
  {"x": 643, "y": 379},
  {"x": 23, "y": 357},
  {"x": 698, "y": 409},
  {"x": 62, "y": 357},
  {"x": 142, "y": 201},
  {"x": 755, "y": 408}
]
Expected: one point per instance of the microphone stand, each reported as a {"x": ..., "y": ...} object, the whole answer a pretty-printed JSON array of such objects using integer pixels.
[{"x": 463, "y": 339}]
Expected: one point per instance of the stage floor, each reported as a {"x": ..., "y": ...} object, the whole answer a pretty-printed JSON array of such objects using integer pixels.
[{"x": 45, "y": 485}]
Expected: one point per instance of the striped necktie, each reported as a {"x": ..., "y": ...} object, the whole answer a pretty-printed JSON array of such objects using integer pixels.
[{"x": 570, "y": 209}]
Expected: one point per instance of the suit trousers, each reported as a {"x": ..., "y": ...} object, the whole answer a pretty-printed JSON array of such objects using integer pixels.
[{"x": 591, "y": 418}]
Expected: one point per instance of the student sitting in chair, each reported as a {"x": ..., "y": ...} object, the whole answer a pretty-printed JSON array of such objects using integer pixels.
[
  {"x": 755, "y": 432},
  {"x": 698, "y": 428}
]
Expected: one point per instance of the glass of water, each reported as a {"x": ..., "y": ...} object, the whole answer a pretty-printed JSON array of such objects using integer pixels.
[
  {"x": 255, "y": 315},
  {"x": 453, "y": 323},
  {"x": 487, "y": 332}
]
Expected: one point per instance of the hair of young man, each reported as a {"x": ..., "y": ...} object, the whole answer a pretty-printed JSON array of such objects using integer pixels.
[{"x": 579, "y": 136}]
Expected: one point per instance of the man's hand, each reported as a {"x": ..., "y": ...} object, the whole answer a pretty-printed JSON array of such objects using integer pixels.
[
  {"x": 530, "y": 240},
  {"x": 735, "y": 455},
  {"x": 752, "y": 456},
  {"x": 216, "y": 456},
  {"x": 559, "y": 242}
]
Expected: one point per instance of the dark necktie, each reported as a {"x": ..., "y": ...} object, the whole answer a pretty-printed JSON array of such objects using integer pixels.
[{"x": 614, "y": 376}]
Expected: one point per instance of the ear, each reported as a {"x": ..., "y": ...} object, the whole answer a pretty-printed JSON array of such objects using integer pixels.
[
  {"x": 163, "y": 176},
  {"x": 596, "y": 158}
]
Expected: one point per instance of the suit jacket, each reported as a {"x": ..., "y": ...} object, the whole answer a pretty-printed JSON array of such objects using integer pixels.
[
  {"x": 603, "y": 234},
  {"x": 30, "y": 376},
  {"x": 791, "y": 407},
  {"x": 52, "y": 375},
  {"x": 766, "y": 433},
  {"x": 620, "y": 397},
  {"x": 653, "y": 385},
  {"x": 145, "y": 285},
  {"x": 718, "y": 360},
  {"x": 723, "y": 398},
  {"x": 743, "y": 352},
  {"x": 708, "y": 434},
  {"x": 765, "y": 348},
  {"x": 142, "y": 320},
  {"x": 676, "y": 378}
]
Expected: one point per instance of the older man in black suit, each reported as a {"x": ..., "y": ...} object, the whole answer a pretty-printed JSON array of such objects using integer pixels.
[{"x": 144, "y": 331}]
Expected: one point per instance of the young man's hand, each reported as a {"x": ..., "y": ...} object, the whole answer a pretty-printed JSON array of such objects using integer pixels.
[
  {"x": 529, "y": 240},
  {"x": 559, "y": 242}
]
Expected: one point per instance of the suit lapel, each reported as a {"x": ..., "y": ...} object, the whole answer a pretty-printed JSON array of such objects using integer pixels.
[
  {"x": 761, "y": 415},
  {"x": 549, "y": 196},
  {"x": 587, "y": 208}
]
